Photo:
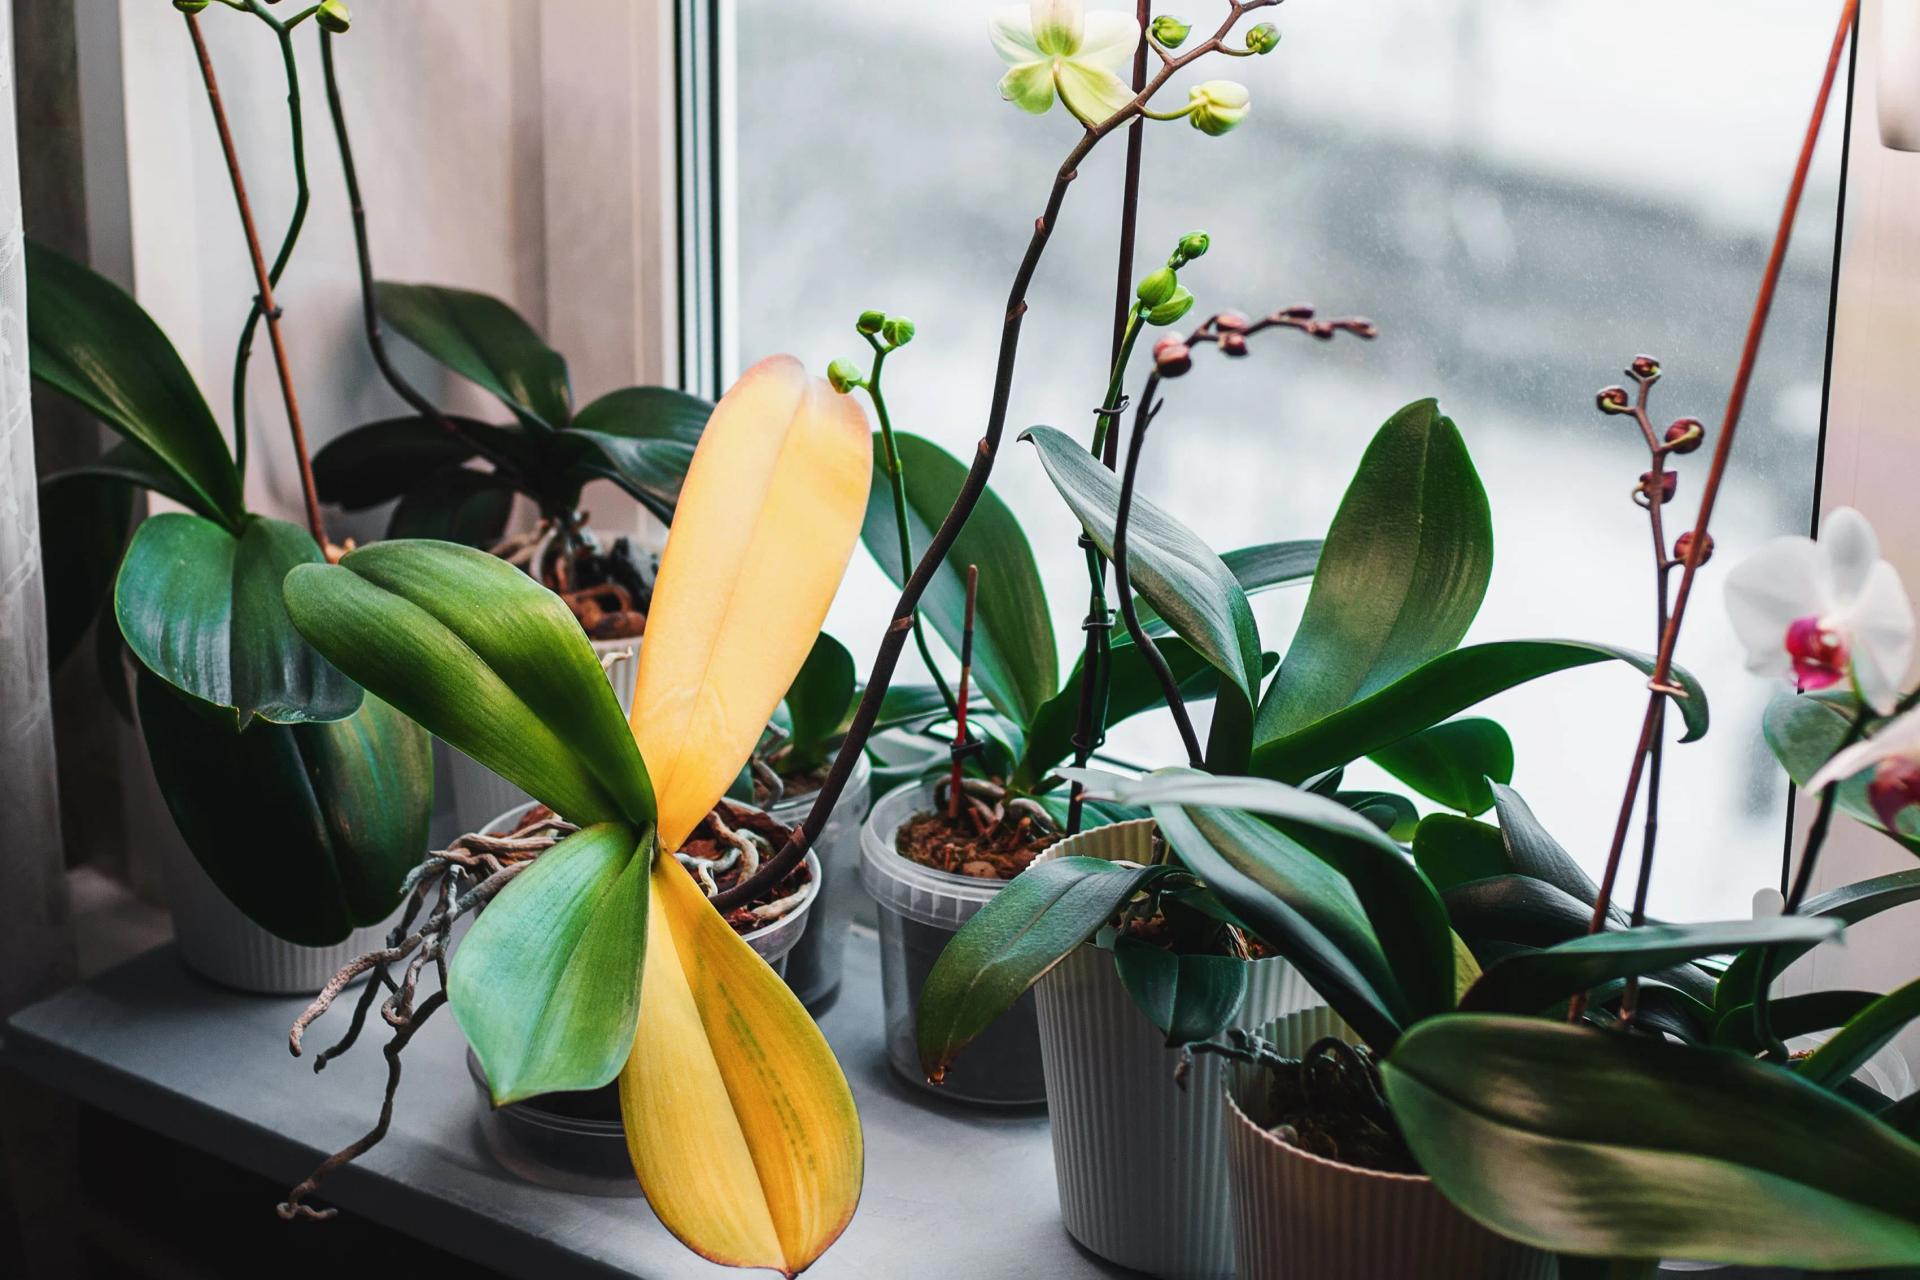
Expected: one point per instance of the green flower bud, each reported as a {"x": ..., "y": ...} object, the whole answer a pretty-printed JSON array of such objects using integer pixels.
[
  {"x": 191, "y": 6},
  {"x": 845, "y": 375},
  {"x": 1217, "y": 106},
  {"x": 1193, "y": 245},
  {"x": 1173, "y": 308},
  {"x": 333, "y": 16},
  {"x": 1157, "y": 287},
  {"x": 1169, "y": 31},
  {"x": 1264, "y": 38},
  {"x": 898, "y": 331},
  {"x": 870, "y": 321}
]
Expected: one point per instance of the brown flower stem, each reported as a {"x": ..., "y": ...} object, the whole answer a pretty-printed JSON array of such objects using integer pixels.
[
  {"x": 960, "y": 703},
  {"x": 1660, "y": 682},
  {"x": 263, "y": 282},
  {"x": 891, "y": 643}
]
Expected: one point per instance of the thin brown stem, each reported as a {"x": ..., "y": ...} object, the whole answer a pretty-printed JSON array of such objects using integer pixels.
[
  {"x": 960, "y": 741},
  {"x": 263, "y": 282}
]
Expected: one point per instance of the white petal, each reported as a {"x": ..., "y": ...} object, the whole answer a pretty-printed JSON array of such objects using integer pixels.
[
  {"x": 1011, "y": 27},
  {"x": 1057, "y": 26},
  {"x": 1851, "y": 549},
  {"x": 1091, "y": 93},
  {"x": 1029, "y": 86},
  {"x": 1899, "y": 738},
  {"x": 1110, "y": 39},
  {"x": 1880, "y": 629},
  {"x": 1781, "y": 582}
]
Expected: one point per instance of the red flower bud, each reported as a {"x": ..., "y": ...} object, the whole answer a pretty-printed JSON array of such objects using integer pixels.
[
  {"x": 1171, "y": 356},
  {"x": 1233, "y": 344},
  {"x": 1231, "y": 322},
  {"x": 1645, "y": 368},
  {"x": 1613, "y": 400},
  {"x": 1685, "y": 435},
  {"x": 1684, "y": 544},
  {"x": 1667, "y": 482}
]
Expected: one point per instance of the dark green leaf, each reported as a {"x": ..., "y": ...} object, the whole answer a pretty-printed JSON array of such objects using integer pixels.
[
  {"x": 482, "y": 339},
  {"x": 1865, "y": 1034},
  {"x": 1188, "y": 997},
  {"x": 83, "y": 530},
  {"x": 88, "y": 340},
  {"x": 1848, "y": 904},
  {"x": 382, "y": 461},
  {"x": 1257, "y": 568},
  {"x": 1451, "y": 763},
  {"x": 1534, "y": 852},
  {"x": 485, "y": 658},
  {"x": 1404, "y": 569},
  {"x": 1442, "y": 688},
  {"x": 309, "y": 829},
  {"x": 1014, "y": 657},
  {"x": 1021, "y": 932},
  {"x": 646, "y": 437},
  {"x": 202, "y": 610},
  {"x": 818, "y": 699},
  {"x": 546, "y": 985},
  {"x": 1394, "y": 814},
  {"x": 1132, "y": 688},
  {"x": 133, "y": 463},
  {"x": 1790, "y": 1016},
  {"x": 455, "y": 505},
  {"x": 1596, "y": 1143},
  {"x": 1456, "y": 851},
  {"x": 899, "y": 756},
  {"x": 1189, "y": 585},
  {"x": 1805, "y": 732},
  {"x": 1532, "y": 982},
  {"x": 909, "y": 704}
]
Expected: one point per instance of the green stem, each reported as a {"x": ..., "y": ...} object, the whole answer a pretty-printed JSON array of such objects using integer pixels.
[
  {"x": 897, "y": 480},
  {"x": 244, "y": 353}
]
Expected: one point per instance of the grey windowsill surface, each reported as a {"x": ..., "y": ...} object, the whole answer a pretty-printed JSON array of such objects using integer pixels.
[{"x": 949, "y": 1191}]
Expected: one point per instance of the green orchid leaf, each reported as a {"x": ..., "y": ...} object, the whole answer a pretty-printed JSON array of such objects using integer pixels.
[
  {"x": 485, "y": 341},
  {"x": 1790, "y": 1016},
  {"x": 1865, "y": 1034},
  {"x": 1188, "y": 997},
  {"x": 1402, "y": 911},
  {"x": 1451, "y": 763},
  {"x": 1132, "y": 688},
  {"x": 1452, "y": 851},
  {"x": 1404, "y": 569},
  {"x": 309, "y": 828},
  {"x": 1804, "y": 733},
  {"x": 455, "y": 505},
  {"x": 1093, "y": 813},
  {"x": 818, "y": 700},
  {"x": 84, "y": 520},
  {"x": 1394, "y": 814},
  {"x": 1849, "y": 904},
  {"x": 1185, "y": 581},
  {"x": 486, "y": 659},
  {"x": 546, "y": 985},
  {"x": 381, "y": 461},
  {"x": 1022, "y": 931},
  {"x": 1014, "y": 656},
  {"x": 906, "y": 704},
  {"x": 1529, "y": 983},
  {"x": 1256, "y": 569},
  {"x": 136, "y": 466},
  {"x": 1591, "y": 1142},
  {"x": 1532, "y": 851},
  {"x": 645, "y": 436},
  {"x": 1443, "y": 688},
  {"x": 88, "y": 340},
  {"x": 202, "y": 610}
]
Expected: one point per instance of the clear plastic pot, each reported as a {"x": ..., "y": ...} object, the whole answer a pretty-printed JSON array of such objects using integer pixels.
[
  {"x": 920, "y": 909},
  {"x": 815, "y": 964}
]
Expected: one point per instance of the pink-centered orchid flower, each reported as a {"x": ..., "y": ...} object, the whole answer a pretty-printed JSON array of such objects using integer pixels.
[
  {"x": 1894, "y": 756},
  {"x": 1827, "y": 612},
  {"x": 1055, "y": 45}
]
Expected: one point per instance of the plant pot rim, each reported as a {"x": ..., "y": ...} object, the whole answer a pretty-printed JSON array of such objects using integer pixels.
[
  {"x": 1267, "y": 1137},
  {"x": 902, "y": 885},
  {"x": 857, "y": 782}
]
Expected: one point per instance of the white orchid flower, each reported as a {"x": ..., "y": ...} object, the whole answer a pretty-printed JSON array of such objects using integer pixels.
[
  {"x": 1824, "y": 612},
  {"x": 1894, "y": 754},
  {"x": 1054, "y": 45}
]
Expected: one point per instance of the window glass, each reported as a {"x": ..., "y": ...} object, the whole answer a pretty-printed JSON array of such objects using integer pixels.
[{"x": 1523, "y": 194}]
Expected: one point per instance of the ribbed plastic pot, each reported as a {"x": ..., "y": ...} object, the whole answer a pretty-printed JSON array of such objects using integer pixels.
[
  {"x": 1141, "y": 1162},
  {"x": 1298, "y": 1215},
  {"x": 919, "y": 910},
  {"x": 575, "y": 1141},
  {"x": 817, "y": 961}
]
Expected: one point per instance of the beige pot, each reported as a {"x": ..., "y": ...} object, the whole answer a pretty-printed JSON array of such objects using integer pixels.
[{"x": 1297, "y": 1215}]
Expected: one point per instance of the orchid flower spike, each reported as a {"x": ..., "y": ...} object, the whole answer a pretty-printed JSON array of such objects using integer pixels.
[
  {"x": 1055, "y": 44},
  {"x": 1894, "y": 756},
  {"x": 1825, "y": 612}
]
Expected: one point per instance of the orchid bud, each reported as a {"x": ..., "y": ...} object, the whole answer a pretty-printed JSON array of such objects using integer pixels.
[
  {"x": 1217, "y": 106},
  {"x": 1645, "y": 368},
  {"x": 870, "y": 322},
  {"x": 1169, "y": 31},
  {"x": 1264, "y": 38},
  {"x": 1173, "y": 308},
  {"x": 1171, "y": 356},
  {"x": 1668, "y": 483},
  {"x": 898, "y": 331},
  {"x": 1614, "y": 400},
  {"x": 1683, "y": 546},
  {"x": 1192, "y": 245},
  {"x": 333, "y": 16},
  {"x": 1231, "y": 322},
  {"x": 1233, "y": 344},
  {"x": 191, "y": 6},
  {"x": 1685, "y": 435},
  {"x": 844, "y": 375},
  {"x": 1157, "y": 287}
]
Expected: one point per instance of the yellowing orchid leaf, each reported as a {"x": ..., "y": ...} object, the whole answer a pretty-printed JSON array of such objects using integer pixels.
[
  {"x": 740, "y": 1123},
  {"x": 768, "y": 518}
]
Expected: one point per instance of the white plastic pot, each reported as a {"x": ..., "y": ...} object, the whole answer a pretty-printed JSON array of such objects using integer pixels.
[
  {"x": 1297, "y": 1215},
  {"x": 817, "y": 961},
  {"x": 919, "y": 910},
  {"x": 1141, "y": 1162}
]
